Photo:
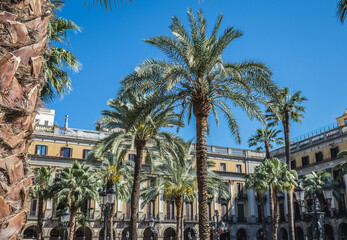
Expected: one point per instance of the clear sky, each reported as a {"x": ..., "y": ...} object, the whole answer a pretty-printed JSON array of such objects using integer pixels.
[{"x": 302, "y": 41}]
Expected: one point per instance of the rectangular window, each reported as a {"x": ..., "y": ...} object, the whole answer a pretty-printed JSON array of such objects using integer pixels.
[
  {"x": 238, "y": 168},
  {"x": 41, "y": 150},
  {"x": 281, "y": 207},
  {"x": 293, "y": 164},
  {"x": 189, "y": 211},
  {"x": 224, "y": 211},
  {"x": 66, "y": 152},
  {"x": 33, "y": 208},
  {"x": 209, "y": 210},
  {"x": 151, "y": 209},
  {"x": 239, "y": 188},
  {"x": 46, "y": 122},
  {"x": 334, "y": 151},
  {"x": 170, "y": 210},
  {"x": 240, "y": 213},
  {"x": 223, "y": 167},
  {"x": 305, "y": 161},
  {"x": 346, "y": 121},
  {"x": 131, "y": 157},
  {"x": 319, "y": 156},
  {"x": 85, "y": 153}
]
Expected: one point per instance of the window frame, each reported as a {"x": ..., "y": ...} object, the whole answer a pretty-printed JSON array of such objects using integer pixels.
[{"x": 41, "y": 145}]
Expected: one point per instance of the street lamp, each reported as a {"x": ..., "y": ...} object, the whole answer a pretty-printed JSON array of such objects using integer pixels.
[
  {"x": 127, "y": 235},
  {"x": 107, "y": 199},
  {"x": 152, "y": 223},
  {"x": 189, "y": 235},
  {"x": 65, "y": 219},
  {"x": 328, "y": 192},
  {"x": 299, "y": 194}
]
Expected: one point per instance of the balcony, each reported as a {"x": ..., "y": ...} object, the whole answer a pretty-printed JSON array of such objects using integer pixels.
[
  {"x": 242, "y": 196},
  {"x": 241, "y": 219}
]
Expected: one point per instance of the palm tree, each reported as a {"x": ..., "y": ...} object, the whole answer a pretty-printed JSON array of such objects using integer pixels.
[
  {"x": 41, "y": 189},
  {"x": 141, "y": 122},
  {"x": 265, "y": 137},
  {"x": 56, "y": 59},
  {"x": 117, "y": 173},
  {"x": 342, "y": 154},
  {"x": 174, "y": 176},
  {"x": 197, "y": 79},
  {"x": 284, "y": 108},
  {"x": 342, "y": 10},
  {"x": 257, "y": 182},
  {"x": 75, "y": 186},
  {"x": 279, "y": 179},
  {"x": 23, "y": 43}
]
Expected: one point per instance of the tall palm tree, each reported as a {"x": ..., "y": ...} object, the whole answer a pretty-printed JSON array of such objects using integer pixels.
[
  {"x": 41, "y": 188},
  {"x": 117, "y": 173},
  {"x": 342, "y": 10},
  {"x": 286, "y": 108},
  {"x": 265, "y": 137},
  {"x": 175, "y": 176},
  {"x": 57, "y": 59},
  {"x": 141, "y": 122},
  {"x": 279, "y": 179},
  {"x": 198, "y": 80},
  {"x": 77, "y": 184},
  {"x": 23, "y": 43},
  {"x": 257, "y": 182}
]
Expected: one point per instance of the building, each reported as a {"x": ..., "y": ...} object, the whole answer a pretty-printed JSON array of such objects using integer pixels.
[
  {"x": 58, "y": 147},
  {"x": 313, "y": 152}
]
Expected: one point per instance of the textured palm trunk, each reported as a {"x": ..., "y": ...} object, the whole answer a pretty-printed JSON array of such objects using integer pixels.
[
  {"x": 275, "y": 215},
  {"x": 135, "y": 194},
  {"x": 201, "y": 110},
  {"x": 110, "y": 222},
  {"x": 267, "y": 150},
  {"x": 72, "y": 224},
  {"x": 262, "y": 212},
  {"x": 23, "y": 30},
  {"x": 40, "y": 216},
  {"x": 271, "y": 207},
  {"x": 179, "y": 225},
  {"x": 290, "y": 194}
]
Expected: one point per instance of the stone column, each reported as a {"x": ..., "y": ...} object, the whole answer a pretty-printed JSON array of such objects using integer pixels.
[
  {"x": 233, "y": 207},
  {"x": 119, "y": 207},
  {"x": 251, "y": 203},
  {"x": 285, "y": 205},
  {"x": 161, "y": 205}
]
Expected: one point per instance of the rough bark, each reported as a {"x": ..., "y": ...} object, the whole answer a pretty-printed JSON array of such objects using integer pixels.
[
  {"x": 40, "y": 216},
  {"x": 290, "y": 194},
  {"x": 135, "y": 194},
  {"x": 262, "y": 212},
  {"x": 179, "y": 225},
  {"x": 201, "y": 110},
  {"x": 72, "y": 224},
  {"x": 110, "y": 222},
  {"x": 23, "y": 30},
  {"x": 271, "y": 203},
  {"x": 267, "y": 150},
  {"x": 275, "y": 215}
]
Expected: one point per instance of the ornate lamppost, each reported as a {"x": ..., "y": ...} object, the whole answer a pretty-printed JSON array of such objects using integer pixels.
[
  {"x": 152, "y": 224},
  {"x": 318, "y": 216},
  {"x": 217, "y": 227},
  {"x": 107, "y": 200},
  {"x": 65, "y": 219}
]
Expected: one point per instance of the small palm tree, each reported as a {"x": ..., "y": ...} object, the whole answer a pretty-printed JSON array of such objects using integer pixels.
[
  {"x": 117, "y": 173},
  {"x": 41, "y": 186},
  {"x": 77, "y": 184},
  {"x": 139, "y": 121},
  {"x": 342, "y": 154},
  {"x": 257, "y": 182},
  {"x": 279, "y": 179},
  {"x": 265, "y": 137},
  {"x": 285, "y": 108},
  {"x": 175, "y": 176},
  {"x": 199, "y": 81}
]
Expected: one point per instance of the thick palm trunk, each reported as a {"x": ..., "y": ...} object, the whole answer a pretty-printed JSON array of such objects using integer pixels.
[
  {"x": 290, "y": 194},
  {"x": 201, "y": 111},
  {"x": 275, "y": 215},
  {"x": 23, "y": 30},
  {"x": 40, "y": 216},
  {"x": 72, "y": 225},
  {"x": 267, "y": 150},
  {"x": 179, "y": 225},
  {"x": 135, "y": 194},
  {"x": 110, "y": 222},
  {"x": 262, "y": 212}
]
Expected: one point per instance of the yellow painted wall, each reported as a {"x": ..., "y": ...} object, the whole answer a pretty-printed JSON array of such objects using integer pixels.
[{"x": 341, "y": 120}]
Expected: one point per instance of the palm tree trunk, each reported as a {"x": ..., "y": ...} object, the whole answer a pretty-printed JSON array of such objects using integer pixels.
[
  {"x": 271, "y": 203},
  {"x": 72, "y": 224},
  {"x": 110, "y": 222},
  {"x": 179, "y": 225},
  {"x": 262, "y": 212},
  {"x": 135, "y": 194},
  {"x": 286, "y": 127},
  {"x": 22, "y": 43},
  {"x": 267, "y": 150},
  {"x": 201, "y": 111},
  {"x": 40, "y": 216},
  {"x": 275, "y": 214}
]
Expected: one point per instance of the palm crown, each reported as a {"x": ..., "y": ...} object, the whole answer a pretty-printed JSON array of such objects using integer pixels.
[
  {"x": 42, "y": 181},
  {"x": 265, "y": 137},
  {"x": 196, "y": 74}
]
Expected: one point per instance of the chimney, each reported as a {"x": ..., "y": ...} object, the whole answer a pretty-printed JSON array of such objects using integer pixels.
[{"x": 66, "y": 124}]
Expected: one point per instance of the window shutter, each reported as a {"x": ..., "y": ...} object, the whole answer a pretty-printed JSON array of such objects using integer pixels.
[
  {"x": 70, "y": 152},
  {"x": 61, "y": 151},
  {"x": 46, "y": 150},
  {"x": 84, "y": 154},
  {"x": 36, "y": 149}
]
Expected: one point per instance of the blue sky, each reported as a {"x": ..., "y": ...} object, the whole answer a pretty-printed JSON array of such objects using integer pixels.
[{"x": 302, "y": 41}]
